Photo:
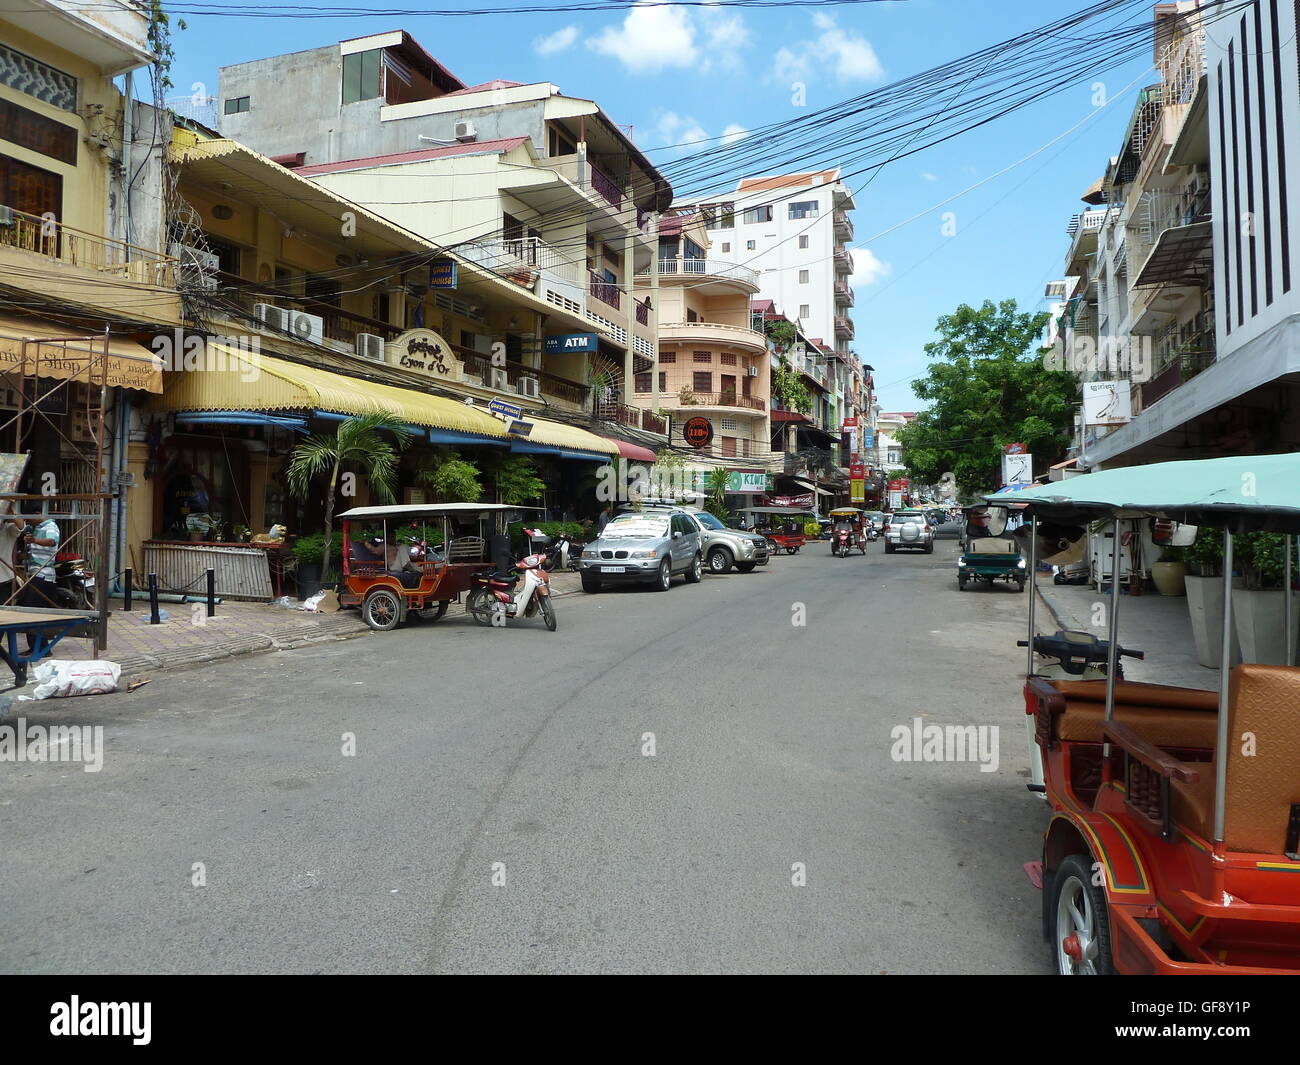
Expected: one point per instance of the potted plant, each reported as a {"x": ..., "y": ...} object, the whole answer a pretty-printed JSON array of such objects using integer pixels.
[
  {"x": 242, "y": 533},
  {"x": 1258, "y": 607},
  {"x": 685, "y": 396},
  {"x": 1204, "y": 587},
  {"x": 1170, "y": 572},
  {"x": 309, "y": 550}
]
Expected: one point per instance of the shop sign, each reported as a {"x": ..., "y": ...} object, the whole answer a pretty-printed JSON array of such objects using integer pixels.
[
  {"x": 739, "y": 483},
  {"x": 570, "y": 343},
  {"x": 698, "y": 432},
  {"x": 508, "y": 410},
  {"x": 519, "y": 428},
  {"x": 442, "y": 273},
  {"x": 790, "y": 501},
  {"x": 423, "y": 351},
  {"x": 850, "y": 423},
  {"x": 857, "y": 471},
  {"x": 1017, "y": 469},
  {"x": 857, "y": 490}
]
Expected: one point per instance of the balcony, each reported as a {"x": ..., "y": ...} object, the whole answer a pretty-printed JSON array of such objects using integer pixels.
[
  {"x": 608, "y": 292},
  {"x": 843, "y": 261},
  {"x": 714, "y": 268},
  {"x": 513, "y": 258},
  {"x": 844, "y": 294},
  {"x": 844, "y": 328},
  {"x": 605, "y": 186},
  {"x": 112, "y": 34},
  {"x": 843, "y": 226},
  {"x": 633, "y": 417},
  {"x": 713, "y": 333},
  {"x": 1177, "y": 371},
  {"x": 729, "y": 398},
  {"x": 1084, "y": 229}
]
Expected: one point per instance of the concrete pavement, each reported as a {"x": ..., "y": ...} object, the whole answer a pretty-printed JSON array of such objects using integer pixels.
[{"x": 704, "y": 780}]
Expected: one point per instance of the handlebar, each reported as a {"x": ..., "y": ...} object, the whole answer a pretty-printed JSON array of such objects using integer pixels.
[{"x": 1077, "y": 650}]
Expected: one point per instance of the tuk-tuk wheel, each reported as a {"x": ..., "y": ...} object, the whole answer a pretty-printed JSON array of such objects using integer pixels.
[
  {"x": 432, "y": 613},
  {"x": 1080, "y": 939},
  {"x": 961, "y": 583},
  {"x": 1020, "y": 584},
  {"x": 381, "y": 610}
]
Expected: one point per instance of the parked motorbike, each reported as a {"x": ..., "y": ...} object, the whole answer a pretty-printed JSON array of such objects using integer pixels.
[
  {"x": 523, "y": 591},
  {"x": 71, "y": 577}
]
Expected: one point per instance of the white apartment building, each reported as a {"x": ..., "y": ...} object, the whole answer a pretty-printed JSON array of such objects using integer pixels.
[{"x": 794, "y": 230}]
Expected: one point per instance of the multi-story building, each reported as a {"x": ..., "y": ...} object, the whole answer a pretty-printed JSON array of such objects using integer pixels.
[
  {"x": 540, "y": 188},
  {"x": 1185, "y": 263},
  {"x": 794, "y": 229},
  {"x": 85, "y": 275}
]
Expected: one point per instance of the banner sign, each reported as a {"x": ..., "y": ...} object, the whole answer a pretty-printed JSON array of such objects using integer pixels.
[
  {"x": 746, "y": 483},
  {"x": 857, "y": 490},
  {"x": 698, "y": 432},
  {"x": 442, "y": 273},
  {"x": 1017, "y": 469},
  {"x": 570, "y": 343},
  {"x": 805, "y": 501}
]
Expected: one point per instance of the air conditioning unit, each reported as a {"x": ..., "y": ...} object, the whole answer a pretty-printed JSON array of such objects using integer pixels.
[
  {"x": 530, "y": 387},
  {"x": 370, "y": 347},
  {"x": 308, "y": 327},
  {"x": 500, "y": 380},
  {"x": 465, "y": 131},
  {"x": 7, "y": 216},
  {"x": 753, "y": 371},
  {"x": 198, "y": 268}
]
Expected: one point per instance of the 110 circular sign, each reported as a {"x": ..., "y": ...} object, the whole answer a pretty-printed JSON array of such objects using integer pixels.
[{"x": 698, "y": 432}]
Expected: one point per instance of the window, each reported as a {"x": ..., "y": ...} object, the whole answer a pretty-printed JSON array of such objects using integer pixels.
[
  {"x": 692, "y": 316},
  {"x": 237, "y": 106},
  {"x": 702, "y": 381},
  {"x": 38, "y": 133},
  {"x": 559, "y": 143},
  {"x": 751, "y": 245},
  {"x": 643, "y": 382},
  {"x": 728, "y": 447},
  {"x": 728, "y": 216},
  {"x": 663, "y": 382},
  {"x": 227, "y": 255},
  {"x": 702, "y": 356},
  {"x": 726, "y": 247},
  {"x": 805, "y": 311},
  {"x": 757, "y": 214},
  {"x": 746, "y": 384},
  {"x": 804, "y": 209},
  {"x": 803, "y": 240},
  {"x": 728, "y": 425},
  {"x": 691, "y": 250},
  {"x": 46, "y": 83},
  {"x": 360, "y": 76},
  {"x": 664, "y": 356},
  {"x": 30, "y": 189},
  {"x": 803, "y": 277},
  {"x": 728, "y": 388},
  {"x": 727, "y": 360}
]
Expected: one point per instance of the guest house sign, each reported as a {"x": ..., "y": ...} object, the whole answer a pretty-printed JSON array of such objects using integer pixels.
[{"x": 423, "y": 351}]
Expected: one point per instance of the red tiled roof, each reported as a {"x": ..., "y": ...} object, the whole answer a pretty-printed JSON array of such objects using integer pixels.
[
  {"x": 471, "y": 148},
  {"x": 487, "y": 86},
  {"x": 786, "y": 181},
  {"x": 675, "y": 224}
]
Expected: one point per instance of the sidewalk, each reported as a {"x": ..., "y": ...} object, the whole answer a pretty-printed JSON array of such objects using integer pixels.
[
  {"x": 188, "y": 636},
  {"x": 1156, "y": 624}
]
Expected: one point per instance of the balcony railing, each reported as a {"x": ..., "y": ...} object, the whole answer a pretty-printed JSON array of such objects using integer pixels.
[
  {"x": 843, "y": 294},
  {"x": 605, "y": 185},
  {"x": 705, "y": 268},
  {"x": 844, "y": 327},
  {"x": 642, "y": 311},
  {"x": 1176, "y": 372},
  {"x": 76, "y": 247},
  {"x": 514, "y": 256},
  {"x": 843, "y": 225},
  {"x": 843, "y": 261},
  {"x": 719, "y": 399},
  {"x": 607, "y": 292},
  {"x": 633, "y": 417}
]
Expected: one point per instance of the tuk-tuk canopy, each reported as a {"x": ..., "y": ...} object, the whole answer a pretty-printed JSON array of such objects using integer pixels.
[
  {"x": 1240, "y": 492},
  {"x": 844, "y": 512}
]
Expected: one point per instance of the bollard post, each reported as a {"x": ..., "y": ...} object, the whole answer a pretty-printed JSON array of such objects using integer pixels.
[
  {"x": 128, "y": 576},
  {"x": 212, "y": 593},
  {"x": 154, "y": 619}
]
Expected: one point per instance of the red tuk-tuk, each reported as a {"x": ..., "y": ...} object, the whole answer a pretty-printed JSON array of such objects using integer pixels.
[
  {"x": 391, "y": 571},
  {"x": 782, "y": 526},
  {"x": 1174, "y": 840}
]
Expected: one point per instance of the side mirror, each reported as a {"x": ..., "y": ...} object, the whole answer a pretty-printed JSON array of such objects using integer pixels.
[{"x": 677, "y": 536}]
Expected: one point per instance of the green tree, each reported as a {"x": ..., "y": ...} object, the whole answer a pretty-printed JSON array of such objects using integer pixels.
[
  {"x": 987, "y": 387},
  {"x": 715, "y": 489},
  {"x": 516, "y": 480},
  {"x": 450, "y": 478},
  {"x": 360, "y": 440}
]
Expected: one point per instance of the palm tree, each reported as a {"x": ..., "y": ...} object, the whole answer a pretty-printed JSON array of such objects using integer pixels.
[
  {"x": 360, "y": 440},
  {"x": 715, "y": 487}
]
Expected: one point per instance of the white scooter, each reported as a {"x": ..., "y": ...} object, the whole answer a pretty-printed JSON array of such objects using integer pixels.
[{"x": 499, "y": 596}]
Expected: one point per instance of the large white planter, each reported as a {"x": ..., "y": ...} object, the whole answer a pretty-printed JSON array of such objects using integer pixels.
[
  {"x": 1259, "y": 622},
  {"x": 1205, "y": 608}
]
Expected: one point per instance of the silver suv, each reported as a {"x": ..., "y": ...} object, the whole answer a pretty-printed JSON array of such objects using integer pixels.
[
  {"x": 910, "y": 529},
  {"x": 724, "y": 547},
  {"x": 643, "y": 547}
]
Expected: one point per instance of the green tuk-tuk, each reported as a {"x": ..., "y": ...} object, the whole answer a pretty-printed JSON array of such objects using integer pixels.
[{"x": 988, "y": 552}]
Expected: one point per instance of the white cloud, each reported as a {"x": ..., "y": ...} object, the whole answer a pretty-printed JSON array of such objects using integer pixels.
[
  {"x": 734, "y": 132},
  {"x": 556, "y": 42},
  {"x": 848, "y": 55},
  {"x": 928, "y": 176},
  {"x": 867, "y": 269},
  {"x": 651, "y": 39}
]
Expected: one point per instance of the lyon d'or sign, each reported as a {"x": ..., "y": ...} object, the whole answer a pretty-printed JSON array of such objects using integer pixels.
[{"x": 423, "y": 351}]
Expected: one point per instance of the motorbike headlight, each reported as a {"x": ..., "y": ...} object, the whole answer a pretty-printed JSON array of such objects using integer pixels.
[{"x": 961, "y": 562}]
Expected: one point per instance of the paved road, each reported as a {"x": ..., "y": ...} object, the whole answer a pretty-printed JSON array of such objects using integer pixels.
[{"x": 518, "y": 754}]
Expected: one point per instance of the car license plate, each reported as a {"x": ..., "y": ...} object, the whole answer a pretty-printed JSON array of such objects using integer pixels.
[{"x": 613, "y": 569}]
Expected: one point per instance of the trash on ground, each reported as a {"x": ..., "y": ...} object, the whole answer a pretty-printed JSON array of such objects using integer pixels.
[{"x": 56, "y": 678}]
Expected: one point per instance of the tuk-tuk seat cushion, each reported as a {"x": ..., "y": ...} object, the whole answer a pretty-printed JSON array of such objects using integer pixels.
[
  {"x": 1261, "y": 785},
  {"x": 994, "y": 545},
  {"x": 1161, "y": 714}
]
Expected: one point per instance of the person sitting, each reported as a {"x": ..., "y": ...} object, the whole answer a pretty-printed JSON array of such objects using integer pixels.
[{"x": 397, "y": 561}]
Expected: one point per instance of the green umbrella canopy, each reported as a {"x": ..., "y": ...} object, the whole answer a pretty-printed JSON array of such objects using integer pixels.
[{"x": 1240, "y": 492}]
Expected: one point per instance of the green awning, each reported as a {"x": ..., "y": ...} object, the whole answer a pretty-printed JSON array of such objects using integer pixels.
[{"x": 1241, "y": 492}]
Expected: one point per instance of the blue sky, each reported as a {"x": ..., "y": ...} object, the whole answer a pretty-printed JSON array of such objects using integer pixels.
[{"x": 677, "y": 74}]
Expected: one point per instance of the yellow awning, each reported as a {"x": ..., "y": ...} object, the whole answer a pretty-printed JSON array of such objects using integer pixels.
[
  {"x": 246, "y": 381},
  {"x": 557, "y": 434},
  {"x": 67, "y": 353}
]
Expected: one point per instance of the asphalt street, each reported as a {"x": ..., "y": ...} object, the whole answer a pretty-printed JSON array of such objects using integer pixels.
[{"x": 504, "y": 810}]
